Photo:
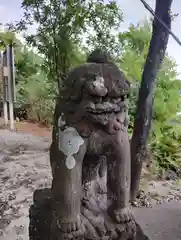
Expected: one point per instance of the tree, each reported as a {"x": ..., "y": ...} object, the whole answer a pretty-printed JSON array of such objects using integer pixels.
[
  {"x": 143, "y": 115},
  {"x": 164, "y": 139},
  {"x": 61, "y": 25},
  {"x": 6, "y": 37},
  {"x": 29, "y": 73}
]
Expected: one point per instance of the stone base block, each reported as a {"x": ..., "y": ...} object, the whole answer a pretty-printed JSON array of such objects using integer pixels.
[{"x": 97, "y": 226}]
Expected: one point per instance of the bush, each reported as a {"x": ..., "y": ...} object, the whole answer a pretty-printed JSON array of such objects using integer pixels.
[{"x": 39, "y": 96}]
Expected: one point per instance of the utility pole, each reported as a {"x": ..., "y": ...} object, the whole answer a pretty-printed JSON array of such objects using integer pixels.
[
  {"x": 5, "y": 105},
  {"x": 9, "y": 85},
  {"x": 5, "y": 87}
]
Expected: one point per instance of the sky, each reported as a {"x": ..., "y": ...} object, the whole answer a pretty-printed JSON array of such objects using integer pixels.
[{"x": 133, "y": 12}]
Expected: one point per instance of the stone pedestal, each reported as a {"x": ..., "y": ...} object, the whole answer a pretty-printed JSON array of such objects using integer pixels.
[{"x": 97, "y": 226}]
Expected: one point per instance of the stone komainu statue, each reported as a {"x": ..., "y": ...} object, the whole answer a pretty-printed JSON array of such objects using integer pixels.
[{"x": 90, "y": 155}]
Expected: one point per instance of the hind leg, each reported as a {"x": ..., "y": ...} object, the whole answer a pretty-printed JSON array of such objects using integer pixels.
[{"x": 118, "y": 179}]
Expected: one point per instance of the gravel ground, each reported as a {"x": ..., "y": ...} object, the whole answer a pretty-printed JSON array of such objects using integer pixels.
[
  {"x": 10, "y": 139},
  {"x": 24, "y": 167}
]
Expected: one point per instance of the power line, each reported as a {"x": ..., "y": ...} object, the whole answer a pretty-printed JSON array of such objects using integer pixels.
[{"x": 163, "y": 24}]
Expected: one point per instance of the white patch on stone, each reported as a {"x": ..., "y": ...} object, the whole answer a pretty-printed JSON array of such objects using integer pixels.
[
  {"x": 70, "y": 141},
  {"x": 70, "y": 162},
  {"x": 61, "y": 122}
]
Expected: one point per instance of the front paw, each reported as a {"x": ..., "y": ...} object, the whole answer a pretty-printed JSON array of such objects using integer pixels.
[
  {"x": 69, "y": 225},
  {"x": 122, "y": 215}
]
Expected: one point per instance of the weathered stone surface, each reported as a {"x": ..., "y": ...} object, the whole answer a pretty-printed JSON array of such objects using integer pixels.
[
  {"x": 161, "y": 222},
  {"x": 90, "y": 155},
  {"x": 96, "y": 226}
]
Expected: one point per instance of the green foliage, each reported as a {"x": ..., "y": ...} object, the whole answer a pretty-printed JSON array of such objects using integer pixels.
[
  {"x": 6, "y": 38},
  {"x": 33, "y": 88},
  {"x": 164, "y": 141},
  {"x": 102, "y": 26},
  {"x": 62, "y": 24},
  {"x": 37, "y": 92},
  {"x": 165, "y": 145},
  {"x": 66, "y": 32},
  {"x": 166, "y": 132}
]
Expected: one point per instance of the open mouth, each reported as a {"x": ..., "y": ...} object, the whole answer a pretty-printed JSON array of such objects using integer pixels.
[
  {"x": 101, "y": 111},
  {"x": 105, "y": 107}
]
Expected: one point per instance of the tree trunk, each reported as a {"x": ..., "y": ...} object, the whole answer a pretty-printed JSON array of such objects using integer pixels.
[{"x": 143, "y": 115}]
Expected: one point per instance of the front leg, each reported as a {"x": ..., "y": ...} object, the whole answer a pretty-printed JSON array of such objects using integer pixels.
[
  {"x": 118, "y": 178},
  {"x": 67, "y": 180}
]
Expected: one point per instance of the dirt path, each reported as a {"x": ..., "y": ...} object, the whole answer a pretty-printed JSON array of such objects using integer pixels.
[
  {"x": 24, "y": 167},
  {"x": 35, "y": 129}
]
